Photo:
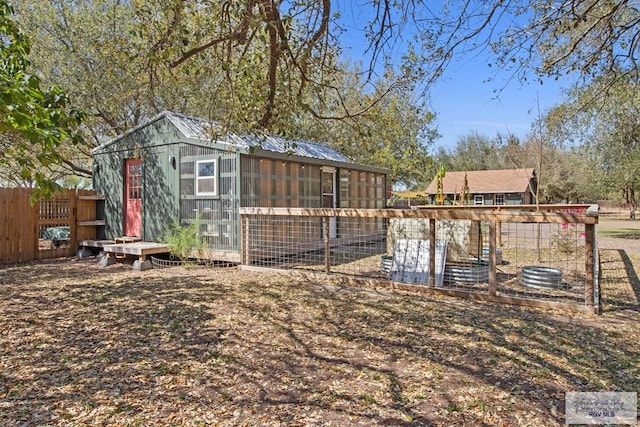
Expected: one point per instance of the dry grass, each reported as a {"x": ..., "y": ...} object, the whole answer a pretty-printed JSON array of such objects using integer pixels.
[{"x": 88, "y": 345}]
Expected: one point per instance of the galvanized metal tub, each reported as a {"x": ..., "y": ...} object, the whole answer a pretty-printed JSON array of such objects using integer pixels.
[
  {"x": 476, "y": 271},
  {"x": 485, "y": 255},
  {"x": 541, "y": 277},
  {"x": 386, "y": 262}
]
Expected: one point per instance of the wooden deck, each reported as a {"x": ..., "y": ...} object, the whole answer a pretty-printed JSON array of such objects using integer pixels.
[
  {"x": 139, "y": 249},
  {"x": 97, "y": 244},
  {"x": 122, "y": 247}
]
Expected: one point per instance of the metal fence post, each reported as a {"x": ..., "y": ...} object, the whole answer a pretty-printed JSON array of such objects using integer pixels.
[
  {"x": 244, "y": 239},
  {"x": 327, "y": 246},
  {"x": 432, "y": 251},
  {"x": 493, "y": 281}
]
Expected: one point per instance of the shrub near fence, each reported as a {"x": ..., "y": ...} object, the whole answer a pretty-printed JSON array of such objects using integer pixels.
[
  {"x": 544, "y": 259},
  {"x": 49, "y": 228}
]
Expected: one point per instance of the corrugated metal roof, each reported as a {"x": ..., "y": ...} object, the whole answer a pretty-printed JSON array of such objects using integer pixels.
[
  {"x": 279, "y": 144},
  {"x": 211, "y": 131},
  {"x": 195, "y": 128},
  {"x": 485, "y": 181}
]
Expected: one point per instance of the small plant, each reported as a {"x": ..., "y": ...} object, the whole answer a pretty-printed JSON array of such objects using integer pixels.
[
  {"x": 454, "y": 407},
  {"x": 565, "y": 239},
  {"x": 184, "y": 240},
  {"x": 439, "y": 185},
  {"x": 369, "y": 399}
]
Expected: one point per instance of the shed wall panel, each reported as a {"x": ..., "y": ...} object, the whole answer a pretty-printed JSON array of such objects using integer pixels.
[
  {"x": 108, "y": 180},
  {"x": 217, "y": 215},
  {"x": 154, "y": 144},
  {"x": 159, "y": 192},
  {"x": 281, "y": 183}
]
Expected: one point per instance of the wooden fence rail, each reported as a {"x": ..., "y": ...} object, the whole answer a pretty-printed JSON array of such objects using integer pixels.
[{"x": 45, "y": 229}]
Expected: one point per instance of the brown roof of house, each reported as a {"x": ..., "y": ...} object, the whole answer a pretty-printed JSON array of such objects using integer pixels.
[{"x": 485, "y": 181}]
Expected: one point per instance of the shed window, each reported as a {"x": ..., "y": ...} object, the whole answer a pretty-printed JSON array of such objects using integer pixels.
[
  {"x": 134, "y": 175},
  {"x": 206, "y": 178},
  {"x": 499, "y": 199}
]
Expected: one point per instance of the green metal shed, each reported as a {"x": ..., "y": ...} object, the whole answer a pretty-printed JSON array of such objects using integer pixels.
[{"x": 180, "y": 167}]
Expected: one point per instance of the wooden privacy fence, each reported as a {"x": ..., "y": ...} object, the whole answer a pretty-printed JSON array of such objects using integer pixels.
[
  {"x": 49, "y": 228},
  {"x": 545, "y": 258}
]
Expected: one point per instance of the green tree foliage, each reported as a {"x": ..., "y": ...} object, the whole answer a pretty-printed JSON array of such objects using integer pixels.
[
  {"x": 475, "y": 151},
  {"x": 297, "y": 41},
  {"x": 126, "y": 61},
  {"x": 91, "y": 49},
  {"x": 273, "y": 66},
  {"x": 34, "y": 122},
  {"x": 603, "y": 120},
  {"x": 393, "y": 132},
  {"x": 566, "y": 174},
  {"x": 248, "y": 64}
]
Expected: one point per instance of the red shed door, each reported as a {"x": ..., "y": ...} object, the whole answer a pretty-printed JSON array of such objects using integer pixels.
[{"x": 133, "y": 198}]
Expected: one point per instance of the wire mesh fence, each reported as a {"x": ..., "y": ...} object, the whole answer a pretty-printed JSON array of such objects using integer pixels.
[
  {"x": 544, "y": 260},
  {"x": 544, "y": 257}
]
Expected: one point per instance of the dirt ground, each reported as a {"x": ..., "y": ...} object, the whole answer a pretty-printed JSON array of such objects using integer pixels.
[{"x": 82, "y": 344}]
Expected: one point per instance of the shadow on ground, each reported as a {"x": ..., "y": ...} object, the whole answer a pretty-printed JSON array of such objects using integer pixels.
[
  {"x": 619, "y": 282},
  {"x": 84, "y": 345}
]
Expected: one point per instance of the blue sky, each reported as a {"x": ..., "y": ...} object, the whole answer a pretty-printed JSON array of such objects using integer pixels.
[{"x": 463, "y": 100}]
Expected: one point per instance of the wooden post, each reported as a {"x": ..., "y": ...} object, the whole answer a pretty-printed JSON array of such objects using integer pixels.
[
  {"x": 34, "y": 215},
  {"x": 589, "y": 234},
  {"x": 72, "y": 195},
  {"x": 4, "y": 224},
  {"x": 432, "y": 251},
  {"x": 327, "y": 246},
  {"x": 493, "y": 278},
  {"x": 244, "y": 240},
  {"x": 35, "y": 219}
]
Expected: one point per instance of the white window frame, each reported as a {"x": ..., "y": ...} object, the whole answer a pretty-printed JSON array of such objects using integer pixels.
[
  {"x": 500, "y": 199},
  {"x": 213, "y": 178},
  {"x": 478, "y": 199}
]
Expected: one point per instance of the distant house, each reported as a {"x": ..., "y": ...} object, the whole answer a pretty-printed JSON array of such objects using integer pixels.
[
  {"x": 488, "y": 187},
  {"x": 186, "y": 168}
]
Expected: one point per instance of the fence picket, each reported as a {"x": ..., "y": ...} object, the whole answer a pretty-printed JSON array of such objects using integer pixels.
[{"x": 4, "y": 194}]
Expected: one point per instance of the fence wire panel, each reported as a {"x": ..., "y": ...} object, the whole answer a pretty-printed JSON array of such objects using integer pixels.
[
  {"x": 467, "y": 263},
  {"x": 355, "y": 245},
  {"x": 543, "y": 261},
  {"x": 534, "y": 260}
]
